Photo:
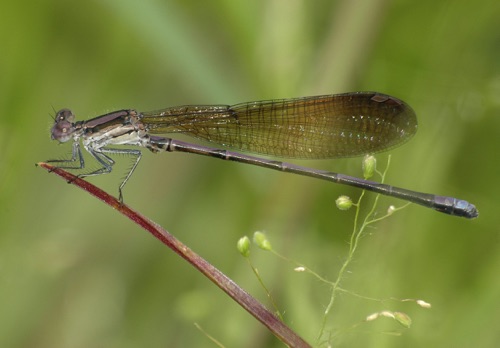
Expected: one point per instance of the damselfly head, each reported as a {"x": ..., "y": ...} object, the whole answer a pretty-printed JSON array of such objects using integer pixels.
[{"x": 63, "y": 126}]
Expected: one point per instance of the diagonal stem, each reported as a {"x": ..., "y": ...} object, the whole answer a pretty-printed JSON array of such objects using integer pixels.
[{"x": 250, "y": 304}]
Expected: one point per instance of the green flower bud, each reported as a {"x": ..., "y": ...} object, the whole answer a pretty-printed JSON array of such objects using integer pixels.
[
  {"x": 369, "y": 165},
  {"x": 261, "y": 240},
  {"x": 243, "y": 246},
  {"x": 403, "y": 319},
  {"x": 343, "y": 203}
]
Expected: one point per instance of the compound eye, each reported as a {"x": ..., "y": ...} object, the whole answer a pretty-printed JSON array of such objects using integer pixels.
[{"x": 65, "y": 115}]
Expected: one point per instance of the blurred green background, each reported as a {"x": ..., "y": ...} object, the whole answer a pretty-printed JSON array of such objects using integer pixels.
[{"x": 73, "y": 273}]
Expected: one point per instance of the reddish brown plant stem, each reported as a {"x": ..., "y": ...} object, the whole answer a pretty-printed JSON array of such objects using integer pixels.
[{"x": 255, "y": 308}]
